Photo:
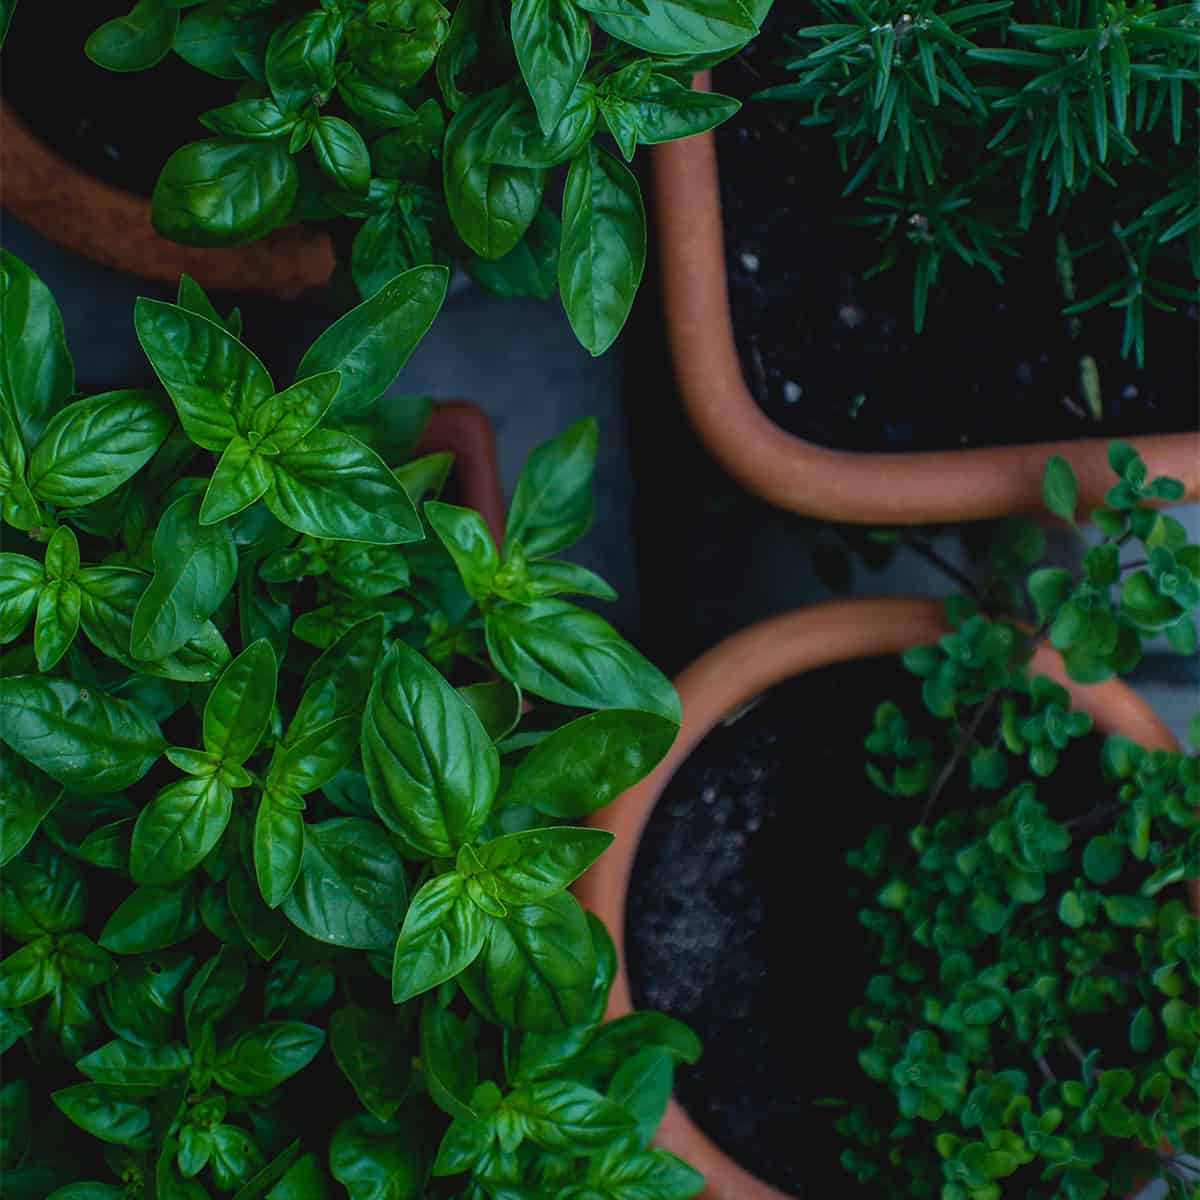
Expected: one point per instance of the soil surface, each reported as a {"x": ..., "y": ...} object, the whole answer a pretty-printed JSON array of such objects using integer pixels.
[
  {"x": 743, "y": 915},
  {"x": 118, "y": 127},
  {"x": 834, "y": 359}
]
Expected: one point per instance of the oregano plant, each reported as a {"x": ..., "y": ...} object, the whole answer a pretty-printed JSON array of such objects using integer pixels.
[
  {"x": 291, "y": 759},
  {"x": 1033, "y": 1026}
]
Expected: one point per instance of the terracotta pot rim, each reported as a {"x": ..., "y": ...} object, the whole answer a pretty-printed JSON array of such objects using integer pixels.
[
  {"x": 915, "y": 488},
  {"x": 462, "y": 428},
  {"x": 112, "y": 227},
  {"x": 719, "y": 683}
]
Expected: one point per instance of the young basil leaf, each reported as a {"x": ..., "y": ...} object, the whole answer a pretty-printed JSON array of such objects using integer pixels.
[
  {"x": 288, "y": 416},
  {"x": 214, "y": 381},
  {"x": 497, "y": 704},
  {"x": 566, "y": 1116},
  {"x": 536, "y": 969},
  {"x": 351, "y": 890},
  {"x": 552, "y": 504},
  {"x": 465, "y": 535},
  {"x": 253, "y": 119},
  {"x": 124, "y": 1064},
  {"x": 91, "y": 742},
  {"x": 430, "y": 764},
  {"x": 307, "y": 760},
  {"x": 655, "y": 1173},
  {"x": 21, "y": 582},
  {"x": 91, "y": 447},
  {"x": 536, "y": 864},
  {"x": 662, "y": 109},
  {"x": 572, "y": 656},
  {"x": 350, "y": 662},
  {"x": 239, "y": 707},
  {"x": 530, "y": 268},
  {"x": 491, "y": 206},
  {"x": 178, "y": 828},
  {"x": 151, "y": 918},
  {"x": 642, "y": 1087},
  {"x": 448, "y": 1057},
  {"x": 242, "y": 476},
  {"x": 676, "y": 27},
  {"x": 278, "y": 849},
  {"x": 106, "y": 1114},
  {"x": 300, "y": 59},
  {"x": 372, "y": 342},
  {"x": 373, "y": 1051},
  {"x": 195, "y": 567},
  {"x": 26, "y": 798},
  {"x": 443, "y": 933},
  {"x": 374, "y": 102},
  {"x": 552, "y": 43},
  {"x": 375, "y": 1160},
  {"x": 263, "y": 1057},
  {"x": 342, "y": 154},
  {"x": 603, "y": 249},
  {"x": 137, "y": 40},
  {"x": 331, "y": 485},
  {"x": 56, "y": 623},
  {"x": 220, "y": 193},
  {"x": 36, "y": 373}
]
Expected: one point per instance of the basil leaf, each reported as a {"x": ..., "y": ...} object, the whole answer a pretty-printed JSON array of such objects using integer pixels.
[
  {"x": 552, "y": 504},
  {"x": 372, "y": 342},
  {"x": 430, "y": 764},
  {"x": 351, "y": 890},
  {"x": 263, "y": 1057},
  {"x": 195, "y": 567},
  {"x": 140, "y": 1002},
  {"x": 372, "y": 1049},
  {"x": 664, "y": 109},
  {"x": 374, "y": 1160},
  {"x": 603, "y": 249},
  {"x": 21, "y": 582},
  {"x": 239, "y": 707},
  {"x": 87, "y": 740},
  {"x": 36, "y": 373},
  {"x": 342, "y": 154},
  {"x": 552, "y": 43},
  {"x": 26, "y": 799},
  {"x": 214, "y": 381},
  {"x": 675, "y": 26},
  {"x": 13, "y": 1027},
  {"x": 137, "y": 40},
  {"x": 278, "y": 849},
  {"x": 536, "y": 864},
  {"x": 220, "y": 193},
  {"x": 151, "y": 918},
  {"x": 565, "y": 1116},
  {"x": 530, "y": 268},
  {"x": 466, "y": 537},
  {"x": 642, "y": 1087},
  {"x": 265, "y": 930},
  {"x": 496, "y": 703},
  {"x": 331, "y": 485},
  {"x": 350, "y": 662},
  {"x": 516, "y": 139},
  {"x": 491, "y": 206},
  {"x": 219, "y": 41},
  {"x": 296, "y": 988},
  {"x": 91, "y": 447},
  {"x": 448, "y": 1057},
  {"x": 178, "y": 828},
  {"x": 571, "y": 656},
  {"x": 124, "y": 1064},
  {"x": 443, "y": 933},
  {"x": 254, "y": 119},
  {"x": 536, "y": 969},
  {"x": 56, "y": 623},
  {"x": 300, "y": 59},
  {"x": 29, "y": 974},
  {"x": 242, "y": 476},
  {"x": 105, "y": 1114},
  {"x": 656, "y": 1173},
  {"x": 109, "y": 599},
  {"x": 288, "y": 416},
  {"x": 589, "y": 762}
]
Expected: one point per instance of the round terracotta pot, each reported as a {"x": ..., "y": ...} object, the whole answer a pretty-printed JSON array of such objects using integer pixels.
[
  {"x": 112, "y": 227},
  {"x": 463, "y": 429},
  {"x": 837, "y": 485},
  {"x": 720, "y": 682}
]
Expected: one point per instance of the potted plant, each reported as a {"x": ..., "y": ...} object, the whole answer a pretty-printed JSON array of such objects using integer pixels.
[
  {"x": 290, "y": 757},
  {"x": 997, "y": 990},
  {"x": 430, "y": 134},
  {"x": 933, "y": 249}
]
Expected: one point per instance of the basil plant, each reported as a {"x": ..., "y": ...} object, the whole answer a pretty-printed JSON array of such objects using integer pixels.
[
  {"x": 438, "y": 129},
  {"x": 290, "y": 755}
]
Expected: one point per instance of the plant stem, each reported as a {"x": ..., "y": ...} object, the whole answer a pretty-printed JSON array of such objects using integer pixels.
[
  {"x": 1044, "y": 1067},
  {"x": 927, "y": 552},
  {"x": 964, "y": 744},
  {"x": 1099, "y": 813}
]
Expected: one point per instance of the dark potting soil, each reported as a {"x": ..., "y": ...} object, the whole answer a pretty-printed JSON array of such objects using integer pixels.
[
  {"x": 743, "y": 914},
  {"x": 833, "y": 358},
  {"x": 118, "y": 127}
]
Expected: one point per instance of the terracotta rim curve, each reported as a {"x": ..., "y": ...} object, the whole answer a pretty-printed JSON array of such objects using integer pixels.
[
  {"x": 903, "y": 489},
  {"x": 112, "y": 227},
  {"x": 716, "y": 685},
  {"x": 463, "y": 429}
]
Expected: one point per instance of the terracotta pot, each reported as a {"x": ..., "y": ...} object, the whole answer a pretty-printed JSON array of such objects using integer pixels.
[
  {"x": 900, "y": 489},
  {"x": 720, "y": 682},
  {"x": 465, "y": 430},
  {"x": 112, "y": 227}
]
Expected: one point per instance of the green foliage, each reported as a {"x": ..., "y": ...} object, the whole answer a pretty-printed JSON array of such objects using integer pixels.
[
  {"x": 968, "y": 126},
  {"x": 283, "y": 802},
  {"x": 1034, "y": 1018},
  {"x": 432, "y": 134}
]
